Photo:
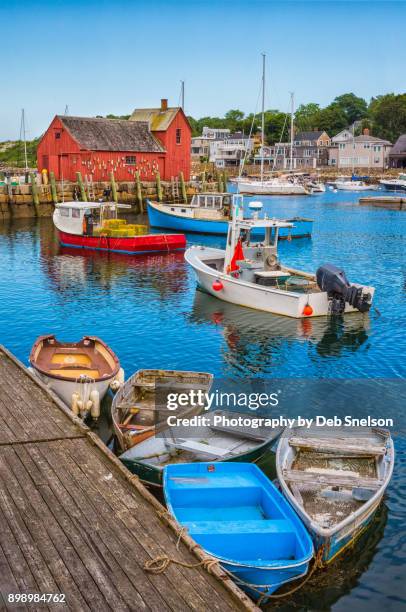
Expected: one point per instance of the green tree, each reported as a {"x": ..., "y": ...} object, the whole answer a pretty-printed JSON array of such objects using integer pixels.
[
  {"x": 306, "y": 116},
  {"x": 355, "y": 108},
  {"x": 234, "y": 120},
  {"x": 277, "y": 127},
  {"x": 388, "y": 116},
  {"x": 331, "y": 119}
]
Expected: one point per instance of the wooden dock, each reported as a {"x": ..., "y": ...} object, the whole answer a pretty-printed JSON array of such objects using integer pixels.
[
  {"x": 73, "y": 520},
  {"x": 392, "y": 202}
]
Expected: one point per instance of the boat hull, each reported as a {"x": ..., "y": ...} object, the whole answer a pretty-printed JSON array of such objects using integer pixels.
[
  {"x": 152, "y": 475},
  {"x": 394, "y": 186},
  {"x": 288, "y": 189},
  {"x": 168, "y": 220},
  {"x": 131, "y": 245},
  {"x": 64, "y": 389}
]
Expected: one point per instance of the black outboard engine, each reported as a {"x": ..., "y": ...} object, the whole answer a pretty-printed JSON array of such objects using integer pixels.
[{"x": 334, "y": 281}]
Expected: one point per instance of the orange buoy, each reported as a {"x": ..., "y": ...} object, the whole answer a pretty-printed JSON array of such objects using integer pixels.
[
  {"x": 307, "y": 310},
  {"x": 217, "y": 285}
]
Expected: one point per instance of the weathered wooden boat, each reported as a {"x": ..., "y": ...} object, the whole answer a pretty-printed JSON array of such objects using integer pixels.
[
  {"x": 214, "y": 442},
  {"x": 335, "y": 479},
  {"x": 248, "y": 273},
  {"x": 210, "y": 213},
  {"x": 239, "y": 517},
  {"x": 95, "y": 225},
  {"x": 80, "y": 373},
  {"x": 136, "y": 407}
]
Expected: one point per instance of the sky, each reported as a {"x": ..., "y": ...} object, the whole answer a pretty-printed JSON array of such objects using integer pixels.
[{"x": 99, "y": 57}]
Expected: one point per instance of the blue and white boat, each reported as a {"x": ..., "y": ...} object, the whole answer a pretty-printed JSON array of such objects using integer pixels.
[
  {"x": 239, "y": 517},
  {"x": 210, "y": 213},
  {"x": 335, "y": 478}
]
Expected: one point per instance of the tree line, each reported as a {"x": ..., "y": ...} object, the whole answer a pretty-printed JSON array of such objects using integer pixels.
[{"x": 384, "y": 115}]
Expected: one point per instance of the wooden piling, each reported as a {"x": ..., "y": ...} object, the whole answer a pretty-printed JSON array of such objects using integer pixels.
[
  {"x": 203, "y": 181},
  {"x": 34, "y": 191},
  {"x": 183, "y": 187},
  {"x": 54, "y": 192},
  {"x": 158, "y": 187},
  {"x": 83, "y": 195},
  {"x": 139, "y": 191},
  {"x": 219, "y": 183},
  {"x": 113, "y": 187}
]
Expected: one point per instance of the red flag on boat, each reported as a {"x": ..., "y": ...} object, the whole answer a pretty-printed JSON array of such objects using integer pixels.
[{"x": 238, "y": 256}]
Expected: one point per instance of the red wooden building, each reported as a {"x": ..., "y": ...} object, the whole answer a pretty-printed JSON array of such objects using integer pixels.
[{"x": 152, "y": 140}]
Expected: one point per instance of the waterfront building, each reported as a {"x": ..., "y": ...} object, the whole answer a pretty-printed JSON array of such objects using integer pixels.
[
  {"x": 232, "y": 150},
  {"x": 201, "y": 144},
  {"x": 154, "y": 139},
  {"x": 364, "y": 151},
  {"x": 397, "y": 154},
  {"x": 309, "y": 151}
]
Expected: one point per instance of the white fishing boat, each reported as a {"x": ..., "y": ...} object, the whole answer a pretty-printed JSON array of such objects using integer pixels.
[
  {"x": 335, "y": 478},
  {"x": 250, "y": 274},
  {"x": 80, "y": 373},
  {"x": 398, "y": 184}
]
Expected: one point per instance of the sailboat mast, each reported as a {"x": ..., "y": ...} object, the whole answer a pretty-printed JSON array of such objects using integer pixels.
[
  {"x": 182, "y": 94},
  {"x": 263, "y": 117},
  {"x": 24, "y": 138},
  {"x": 291, "y": 129},
  {"x": 353, "y": 150}
]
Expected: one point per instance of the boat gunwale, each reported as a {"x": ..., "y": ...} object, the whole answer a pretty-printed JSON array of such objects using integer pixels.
[{"x": 44, "y": 372}]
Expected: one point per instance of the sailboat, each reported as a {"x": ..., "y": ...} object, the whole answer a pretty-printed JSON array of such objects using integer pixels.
[{"x": 283, "y": 185}]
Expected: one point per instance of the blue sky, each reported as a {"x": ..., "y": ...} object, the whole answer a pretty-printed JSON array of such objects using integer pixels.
[{"x": 112, "y": 56}]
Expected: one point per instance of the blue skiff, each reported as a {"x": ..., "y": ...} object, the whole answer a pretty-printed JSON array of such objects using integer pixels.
[
  {"x": 239, "y": 517},
  {"x": 181, "y": 218}
]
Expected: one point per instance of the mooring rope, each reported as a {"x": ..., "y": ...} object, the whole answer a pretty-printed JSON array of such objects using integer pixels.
[{"x": 159, "y": 564}]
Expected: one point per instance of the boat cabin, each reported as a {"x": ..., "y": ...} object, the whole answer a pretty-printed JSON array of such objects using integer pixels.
[{"x": 85, "y": 218}]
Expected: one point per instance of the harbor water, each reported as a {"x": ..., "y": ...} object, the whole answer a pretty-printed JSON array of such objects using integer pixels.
[{"x": 148, "y": 310}]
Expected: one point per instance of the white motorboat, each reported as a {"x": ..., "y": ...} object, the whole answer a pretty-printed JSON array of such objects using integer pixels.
[
  {"x": 398, "y": 184},
  {"x": 335, "y": 479},
  {"x": 250, "y": 274},
  {"x": 80, "y": 373},
  {"x": 274, "y": 186},
  {"x": 350, "y": 185}
]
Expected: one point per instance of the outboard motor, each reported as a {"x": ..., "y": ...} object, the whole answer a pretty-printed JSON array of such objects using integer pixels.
[{"x": 334, "y": 281}]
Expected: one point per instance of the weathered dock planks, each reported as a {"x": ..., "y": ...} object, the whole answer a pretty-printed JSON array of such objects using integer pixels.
[
  {"x": 74, "y": 521},
  {"x": 392, "y": 202}
]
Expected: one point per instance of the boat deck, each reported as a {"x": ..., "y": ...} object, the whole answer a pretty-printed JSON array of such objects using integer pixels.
[{"x": 74, "y": 521}]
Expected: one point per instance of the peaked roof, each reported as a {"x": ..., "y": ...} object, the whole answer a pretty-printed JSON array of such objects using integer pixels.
[
  {"x": 399, "y": 148},
  {"x": 368, "y": 138},
  {"x": 313, "y": 135},
  {"x": 97, "y": 134},
  {"x": 157, "y": 119}
]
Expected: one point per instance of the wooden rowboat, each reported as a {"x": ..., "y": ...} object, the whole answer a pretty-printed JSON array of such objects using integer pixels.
[
  {"x": 135, "y": 409},
  {"x": 80, "y": 373},
  {"x": 335, "y": 478}
]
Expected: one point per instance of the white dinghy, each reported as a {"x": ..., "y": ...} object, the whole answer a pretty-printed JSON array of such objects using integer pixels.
[{"x": 249, "y": 273}]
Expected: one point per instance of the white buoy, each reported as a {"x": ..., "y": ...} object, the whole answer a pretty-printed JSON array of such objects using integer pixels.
[
  {"x": 118, "y": 381},
  {"x": 74, "y": 403},
  {"x": 95, "y": 404}
]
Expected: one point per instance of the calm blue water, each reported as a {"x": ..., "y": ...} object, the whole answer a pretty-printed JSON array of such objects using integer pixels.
[{"x": 147, "y": 309}]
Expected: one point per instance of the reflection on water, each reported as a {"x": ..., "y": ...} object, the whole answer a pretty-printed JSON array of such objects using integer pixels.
[
  {"x": 254, "y": 339},
  {"x": 327, "y": 586}
]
